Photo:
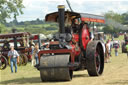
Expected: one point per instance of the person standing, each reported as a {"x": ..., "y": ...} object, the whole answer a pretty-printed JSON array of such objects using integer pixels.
[
  {"x": 36, "y": 51},
  {"x": 14, "y": 58},
  {"x": 127, "y": 48},
  {"x": 116, "y": 46},
  {"x": 32, "y": 46},
  {"x": 108, "y": 51}
]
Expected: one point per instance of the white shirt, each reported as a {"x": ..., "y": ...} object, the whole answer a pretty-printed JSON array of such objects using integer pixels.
[
  {"x": 109, "y": 46},
  {"x": 13, "y": 54}
]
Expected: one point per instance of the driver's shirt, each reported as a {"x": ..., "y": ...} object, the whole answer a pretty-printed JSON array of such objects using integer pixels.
[{"x": 13, "y": 54}]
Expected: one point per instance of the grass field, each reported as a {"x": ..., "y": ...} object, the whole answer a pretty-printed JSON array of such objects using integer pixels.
[{"x": 115, "y": 73}]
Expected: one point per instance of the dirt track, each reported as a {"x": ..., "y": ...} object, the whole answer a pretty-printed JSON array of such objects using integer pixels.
[{"x": 115, "y": 73}]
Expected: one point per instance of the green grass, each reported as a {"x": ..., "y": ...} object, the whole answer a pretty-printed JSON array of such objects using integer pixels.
[{"x": 35, "y": 29}]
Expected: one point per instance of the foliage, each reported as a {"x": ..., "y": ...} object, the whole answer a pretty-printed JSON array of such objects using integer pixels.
[
  {"x": 125, "y": 18},
  {"x": 115, "y": 22},
  {"x": 2, "y": 28},
  {"x": 15, "y": 22},
  {"x": 114, "y": 16},
  {"x": 108, "y": 29},
  {"x": 10, "y": 8}
]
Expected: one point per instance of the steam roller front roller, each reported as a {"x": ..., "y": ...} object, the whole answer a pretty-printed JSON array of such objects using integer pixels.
[{"x": 55, "y": 68}]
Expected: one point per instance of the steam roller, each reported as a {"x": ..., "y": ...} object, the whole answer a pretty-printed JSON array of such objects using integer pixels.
[
  {"x": 55, "y": 67},
  {"x": 72, "y": 48}
]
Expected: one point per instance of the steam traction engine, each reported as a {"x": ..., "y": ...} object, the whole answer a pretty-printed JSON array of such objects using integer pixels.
[
  {"x": 19, "y": 40},
  {"x": 72, "y": 48}
]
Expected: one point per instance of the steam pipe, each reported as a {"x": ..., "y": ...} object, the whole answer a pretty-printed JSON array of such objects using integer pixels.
[{"x": 61, "y": 10}]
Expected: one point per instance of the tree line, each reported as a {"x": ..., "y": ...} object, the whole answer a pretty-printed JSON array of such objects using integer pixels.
[{"x": 115, "y": 22}]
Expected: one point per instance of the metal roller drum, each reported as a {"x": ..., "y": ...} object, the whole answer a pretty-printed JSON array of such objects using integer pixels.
[{"x": 55, "y": 68}]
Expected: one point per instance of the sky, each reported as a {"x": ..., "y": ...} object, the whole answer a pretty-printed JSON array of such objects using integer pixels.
[{"x": 39, "y": 8}]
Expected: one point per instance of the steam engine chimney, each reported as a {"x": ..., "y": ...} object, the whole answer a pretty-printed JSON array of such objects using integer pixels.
[{"x": 61, "y": 10}]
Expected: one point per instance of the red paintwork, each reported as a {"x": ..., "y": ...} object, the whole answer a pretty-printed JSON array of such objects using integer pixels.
[
  {"x": 75, "y": 51},
  {"x": 85, "y": 36},
  {"x": 75, "y": 40},
  {"x": 34, "y": 37},
  {"x": 75, "y": 37},
  {"x": 92, "y": 20},
  {"x": 54, "y": 42}
]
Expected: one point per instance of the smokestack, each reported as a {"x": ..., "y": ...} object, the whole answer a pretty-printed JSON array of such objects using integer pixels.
[{"x": 61, "y": 10}]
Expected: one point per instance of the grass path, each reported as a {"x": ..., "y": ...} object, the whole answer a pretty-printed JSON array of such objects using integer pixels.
[{"x": 115, "y": 73}]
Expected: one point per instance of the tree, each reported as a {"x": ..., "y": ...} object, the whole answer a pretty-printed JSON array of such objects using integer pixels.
[
  {"x": 2, "y": 28},
  {"x": 108, "y": 29},
  {"x": 114, "y": 16},
  {"x": 125, "y": 18},
  {"x": 10, "y": 8},
  {"x": 113, "y": 22}
]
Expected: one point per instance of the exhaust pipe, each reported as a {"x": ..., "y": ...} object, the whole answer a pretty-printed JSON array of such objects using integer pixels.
[{"x": 61, "y": 10}]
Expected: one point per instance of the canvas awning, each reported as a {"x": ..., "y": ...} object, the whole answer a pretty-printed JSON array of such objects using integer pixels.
[{"x": 53, "y": 17}]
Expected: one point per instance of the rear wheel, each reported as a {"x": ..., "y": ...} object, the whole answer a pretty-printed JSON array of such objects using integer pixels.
[
  {"x": 3, "y": 63},
  {"x": 95, "y": 58},
  {"x": 97, "y": 61}
]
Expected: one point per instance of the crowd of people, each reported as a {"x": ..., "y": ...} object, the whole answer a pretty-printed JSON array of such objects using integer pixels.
[
  {"x": 114, "y": 44},
  {"x": 109, "y": 45}
]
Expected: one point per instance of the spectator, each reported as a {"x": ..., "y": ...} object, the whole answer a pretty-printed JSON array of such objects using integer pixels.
[
  {"x": 125, "y": 37},
  {"x": 108, "y": 51},
  {"x": 105, "y": 36},
  {"x": 110, "y": 47},
  {"x": 36, "y": 50},
  {"x": 127, "y": 49},
  {"x": 32, "y": 44},
  {"x": 14, "y": 58},
  {"x": 116, "y": 46},
  {"x": 112, "y": 38}
]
